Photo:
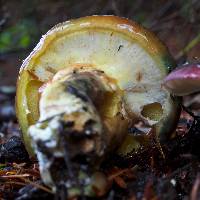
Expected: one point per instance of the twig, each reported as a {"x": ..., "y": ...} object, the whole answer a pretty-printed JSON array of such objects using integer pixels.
[
  {"x": 188, "y": 47},
  {"x": 118, "y": 174},
  {"x": 195, "y": 188},
  {"x": 22, "y": 177},
  {"x": 16, "y": 183},
  {"x": 37, "y": 185},
  {"x": 115, "y": 7},
  {"x": 16, "y": 176}
]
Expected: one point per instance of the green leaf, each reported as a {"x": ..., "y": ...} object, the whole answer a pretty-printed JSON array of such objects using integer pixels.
[{"x": 20, "y": 36}]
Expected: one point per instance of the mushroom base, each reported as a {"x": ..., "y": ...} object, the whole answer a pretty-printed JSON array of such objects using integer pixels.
[{"x": 73, "y": 135}]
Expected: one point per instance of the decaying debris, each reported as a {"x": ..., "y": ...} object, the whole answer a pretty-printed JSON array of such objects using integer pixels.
[
  {"x": 13, "y": 151},
  {"x": 83, "y": 86},
  {"x": 30, "y": 191}
]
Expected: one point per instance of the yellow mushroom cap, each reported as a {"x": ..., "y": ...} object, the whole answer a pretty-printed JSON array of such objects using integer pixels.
[{"x": 133, "y": 57}]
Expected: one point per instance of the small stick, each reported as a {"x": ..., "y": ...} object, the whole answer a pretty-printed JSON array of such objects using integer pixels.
[
  {"x": 188, "y": 47},
  {"x": 16, "y": 176},
  {"x": 37, "y": 185},
  {"x": 195, "y": 188}
]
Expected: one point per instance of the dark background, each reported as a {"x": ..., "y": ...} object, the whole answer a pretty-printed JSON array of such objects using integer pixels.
[{"x": 22, "y": 23}]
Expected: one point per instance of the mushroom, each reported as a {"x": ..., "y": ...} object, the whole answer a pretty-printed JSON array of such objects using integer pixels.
[
  {"x": 85, "y": 83},
  {"x": 184, "y": 80}
]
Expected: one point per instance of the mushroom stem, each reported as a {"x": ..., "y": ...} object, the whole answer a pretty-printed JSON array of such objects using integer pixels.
[{"x": 73, "y": 134}]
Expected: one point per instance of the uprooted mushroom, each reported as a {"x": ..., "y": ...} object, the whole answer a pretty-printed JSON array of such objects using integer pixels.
[{"x": 86, "y": 82}]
